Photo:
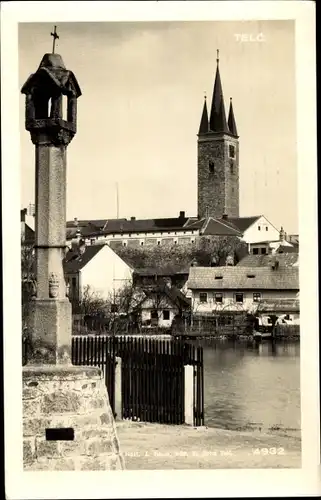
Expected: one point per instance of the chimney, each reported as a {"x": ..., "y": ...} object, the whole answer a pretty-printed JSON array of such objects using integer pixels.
[
  {"x": 182, "y": 214},
  {"x": 282, "y": 234},
  {"x": 23, "y": 214},
  {"x": 75, "y": 243},
  {"x": 81, "y": 247},
  {"x": 133, "y": 218},
  {"x": 75, "y": 221}
]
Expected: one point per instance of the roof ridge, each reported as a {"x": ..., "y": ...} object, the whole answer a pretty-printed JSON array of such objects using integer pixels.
[{"x": 226, "y": 225}]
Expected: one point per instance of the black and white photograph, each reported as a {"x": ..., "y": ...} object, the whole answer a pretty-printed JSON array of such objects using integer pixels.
[{"x": 165, "y": 287}]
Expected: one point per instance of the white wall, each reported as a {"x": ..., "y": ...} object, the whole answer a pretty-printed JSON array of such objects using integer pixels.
[
  {"x": 253, "y": 234},
  {"x": 229, "y": 303},
  {"x": 106, "y": 272},
  {"x": 159, "y": 237},
  {"x": 164, "y": 303}
]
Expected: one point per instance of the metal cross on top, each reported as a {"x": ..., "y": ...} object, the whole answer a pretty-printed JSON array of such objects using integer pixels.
[{"x": 55, "y": 36}]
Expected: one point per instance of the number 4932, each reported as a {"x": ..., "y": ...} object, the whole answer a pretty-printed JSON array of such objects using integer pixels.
[{"x": 268, "y": 451}]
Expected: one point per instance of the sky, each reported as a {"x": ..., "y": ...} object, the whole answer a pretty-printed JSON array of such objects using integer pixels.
[{"x": 143, "y": 87}]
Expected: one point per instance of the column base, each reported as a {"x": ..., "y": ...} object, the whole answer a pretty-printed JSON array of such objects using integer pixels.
[
  {"x": 74, "y": 399},
  {"x": 50, "y": 329}
]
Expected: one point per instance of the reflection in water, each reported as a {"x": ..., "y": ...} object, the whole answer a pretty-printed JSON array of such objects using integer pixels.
[{"x": 252, "y": 386}]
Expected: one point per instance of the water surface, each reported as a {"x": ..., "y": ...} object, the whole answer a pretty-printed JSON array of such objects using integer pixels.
[{"x": 252, "y": 387}]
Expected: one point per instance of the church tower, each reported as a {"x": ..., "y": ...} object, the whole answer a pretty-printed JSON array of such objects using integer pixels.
[{"x": 218, "y": 158}]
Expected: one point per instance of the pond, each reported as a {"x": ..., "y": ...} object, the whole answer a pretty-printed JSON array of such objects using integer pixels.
[{"x": 248, "y": 386}]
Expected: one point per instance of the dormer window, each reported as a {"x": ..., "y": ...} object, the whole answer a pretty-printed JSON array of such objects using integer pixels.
[
  {"x": 251, "y": 275},
  {"x": 218, "y": 277}
]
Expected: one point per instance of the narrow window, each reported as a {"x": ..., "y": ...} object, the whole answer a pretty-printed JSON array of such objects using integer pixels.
[
  {"x": 49, "y": 107},
  {"x": 259, "y": 228},
  {"x": 231, "y": 168},
  {"x": 64, "y": 107},
  {"x": 166, "y": 314},
  {"x": 203, "y": 297},
  {"x": 211, "y": 167},
  {"x": 231, "y": 151}
]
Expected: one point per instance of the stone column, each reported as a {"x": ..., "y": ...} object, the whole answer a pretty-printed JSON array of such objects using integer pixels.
[
  {"x": 67, "y": 419},
  {"x": 51, "y": 315}
]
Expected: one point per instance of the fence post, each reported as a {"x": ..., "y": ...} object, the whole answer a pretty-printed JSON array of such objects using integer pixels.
[
  {"x": 189, "y": 391},
  {"x": 118, "y": 394}
]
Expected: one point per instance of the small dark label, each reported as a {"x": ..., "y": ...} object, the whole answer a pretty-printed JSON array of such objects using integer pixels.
[{"x": 62, "y": 434}]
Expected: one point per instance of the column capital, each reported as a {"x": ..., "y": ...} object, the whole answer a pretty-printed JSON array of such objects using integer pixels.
[{"x": 51, "y": 137}]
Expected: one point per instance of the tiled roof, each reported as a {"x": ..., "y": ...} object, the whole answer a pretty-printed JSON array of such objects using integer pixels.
[
  {"x": 284, "y": 249},
  {"x": 246, "y": 278},
  {"x": 194, "y": 223},
  {"x": 284, "y": 259},
  {"x": 111, "y": 226},
  {"x": 166, "y": 270},
  {"x": 29, "y": 237},
  {"x": 74, "y": 262},
  {"x": 218, "y": 227},
  {"x": 174, "y": 294},
  {"x": 241, "y": 223},
  {"x": 98, "y": 223}
]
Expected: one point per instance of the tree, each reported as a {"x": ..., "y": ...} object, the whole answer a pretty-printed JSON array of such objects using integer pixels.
[
  {"x": 91, "y": 303},
  {"x": 28, "y": 281},
  {"x": 206, "y": 251}
]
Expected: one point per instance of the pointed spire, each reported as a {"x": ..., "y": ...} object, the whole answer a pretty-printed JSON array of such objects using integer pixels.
[
  {"x": 218, "y": 117},
  {"x": 204, "y": 120},
  {"x": 231, "y": 120}
]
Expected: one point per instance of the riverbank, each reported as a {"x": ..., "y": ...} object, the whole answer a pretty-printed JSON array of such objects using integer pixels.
[{"x": 149, "y": 446}]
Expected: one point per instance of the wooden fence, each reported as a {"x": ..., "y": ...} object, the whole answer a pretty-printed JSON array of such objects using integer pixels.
[{"x": 152, "y": 384}]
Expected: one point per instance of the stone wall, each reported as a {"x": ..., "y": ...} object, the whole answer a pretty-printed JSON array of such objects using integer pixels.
[
  {"x": 68, "y": 397},
  {"x": 218, "y": 184}
]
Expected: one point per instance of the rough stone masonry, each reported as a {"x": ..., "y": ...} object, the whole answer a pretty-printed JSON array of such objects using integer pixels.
[{"x": 67, "y": 419}]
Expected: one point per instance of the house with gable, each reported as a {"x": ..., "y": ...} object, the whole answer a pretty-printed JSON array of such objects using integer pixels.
[
  {"x": 280, "y": 259},
  {"x": 161, "y": 305},
  {"x": 27, "y": 227},
  {"x": 98, "y": 267},
  {"x": 240, "y": 288}
]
